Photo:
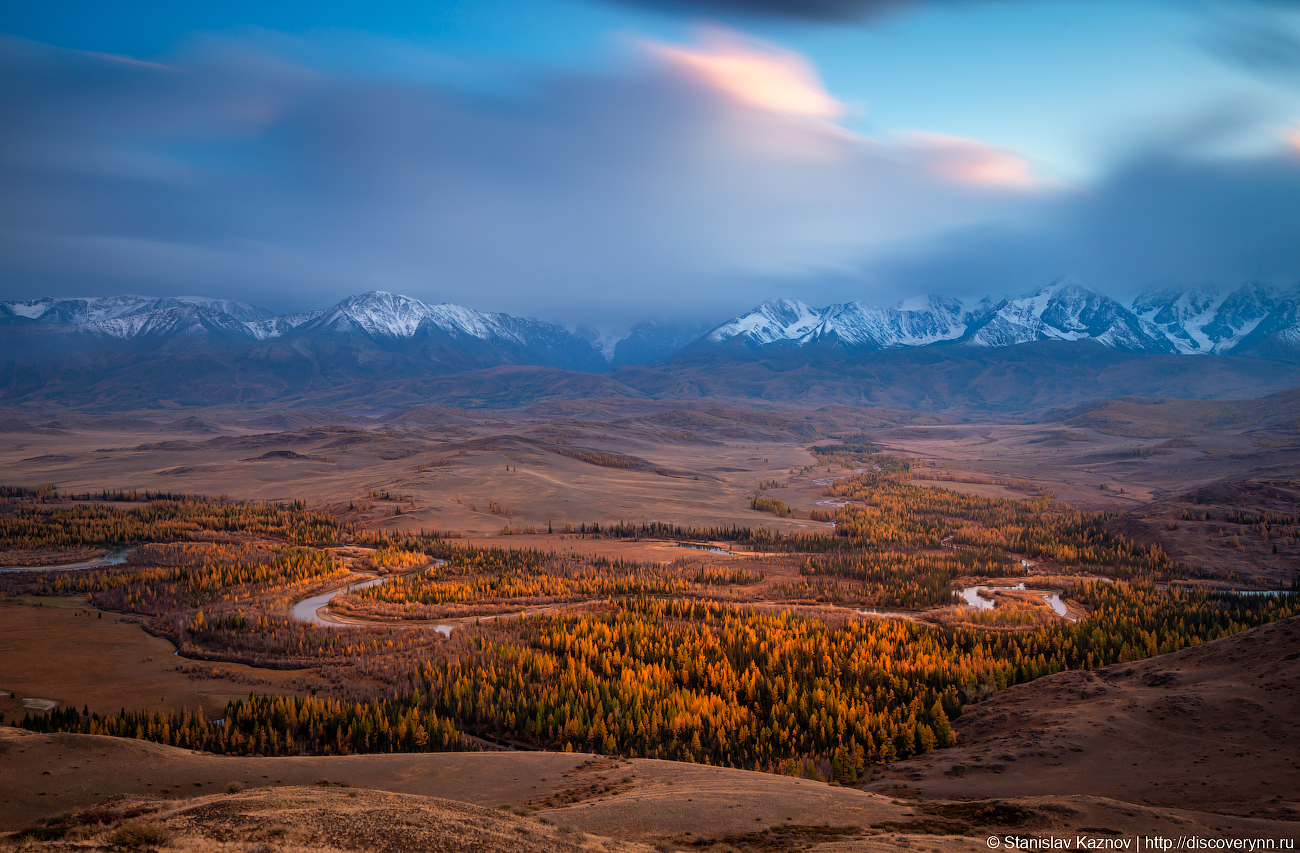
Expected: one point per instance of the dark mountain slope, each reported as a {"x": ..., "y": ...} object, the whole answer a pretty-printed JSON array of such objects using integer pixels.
[{"x": 1013, "y": 380}]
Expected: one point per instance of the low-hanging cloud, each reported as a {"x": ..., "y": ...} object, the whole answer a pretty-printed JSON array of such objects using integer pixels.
[
  {"x": 1162, "y": 220},
  {"x": 669, "y": 188},
  {"x": 602, "y": 198}
]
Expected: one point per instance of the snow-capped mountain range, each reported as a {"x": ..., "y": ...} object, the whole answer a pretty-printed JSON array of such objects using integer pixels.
[
  {"x": 127, "y": 317},
  {"x": 373, "y": 331},
  {"x": 1250, "y": 320},
  {"x": 1197, "y": 321},
  {"x": 377, "y": 314},
  {"x": 911, "y": 323}
]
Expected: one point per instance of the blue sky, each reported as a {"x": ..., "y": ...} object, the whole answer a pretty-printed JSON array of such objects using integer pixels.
[{"x": 605, "y": 161}]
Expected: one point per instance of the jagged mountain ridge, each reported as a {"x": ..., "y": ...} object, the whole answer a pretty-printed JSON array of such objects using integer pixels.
[
  {"x": 465, "y": 338},
  {"x": 127, "y": 317},
  {"x": 1197, "y": 321},
  {"x": 1065, "y": 312},
  {"x": 1204, "y": 320},
  {"x": 185, "y": 349},
  {"x": 914, "y": 322},
  {"x": 380, "y": 335},
  {"x": 377, "y": 314}
]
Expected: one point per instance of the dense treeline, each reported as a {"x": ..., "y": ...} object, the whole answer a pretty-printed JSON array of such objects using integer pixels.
[
  {"x": 98, "y": 525},
  {"x": 48, "y": 491},
  {"x": 857, "y": 452},
  {"x": 605, "y": 458},
  {"x": 893, "y": 513},
  {"x": 776, "y": 506},
  {"x": 431, "y": 544},
  {"x": 759, "y": 537},
  {"x": 133, "y": 496},
  {"x": 480, "y": 581},
  {"x": 895, "y": 578},
  {"x": 857, "y": 444},
  {"x": 384, "y": 560},
  {"x": 1268, "y": 519},
  {"x": 432, "y": 594},
  {"x": 706, "y": 575},
  {"x": 718, "y": 683},
  {"x": 276, "y": 640},
  {"x": 163, "y": 578},
  {"x": 277, "y": 725},
  {"x": 755, "y": 538}
]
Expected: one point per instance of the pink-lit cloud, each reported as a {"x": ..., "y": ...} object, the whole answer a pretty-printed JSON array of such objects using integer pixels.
[
  {"x": 1292, "y": 138},
  {"x": 781, "y": 82},
  {"x": 970, "y": 161},
  {"x": 754, "y": 73}
]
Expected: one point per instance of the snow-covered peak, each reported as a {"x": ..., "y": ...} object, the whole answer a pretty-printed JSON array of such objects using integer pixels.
[
  {"x": 914, "y": 322},
  {"x": 1168, "y": 305},
  {"x": 1065, "y": 311},
  {"x": 384, "y": 315},
  {"x": 917, "y": 321},
  {"x": 379, "y": 314},
  {"x": 459, "y": 320},
  {"x": 1202, "y": 319},
  {"x": 126, "y": 317},
  {"x": 1195, "y": 320},
  {"x": 775, "y": 320},
  {"x": 78, "y": 311}
]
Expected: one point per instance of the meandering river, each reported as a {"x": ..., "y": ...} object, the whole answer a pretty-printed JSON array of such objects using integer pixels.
[
  {"x": 115, "y": 557},
  {"x": 971, "y": 595},
  {"x": 315, "y": 609}
]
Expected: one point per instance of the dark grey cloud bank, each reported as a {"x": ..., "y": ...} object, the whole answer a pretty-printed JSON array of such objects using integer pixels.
[
  {"x": 1159, "y": 221},
  {"x": 604, "y": 199},
  {"x": 595, "y": 198}
]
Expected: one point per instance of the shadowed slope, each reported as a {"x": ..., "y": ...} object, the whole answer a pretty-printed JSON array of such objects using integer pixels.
[{"x": 1212, "y": 727}]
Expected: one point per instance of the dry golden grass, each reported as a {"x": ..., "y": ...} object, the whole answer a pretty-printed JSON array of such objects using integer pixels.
[
  {"x": 62, "y": 651},
  {"x": 1211, "y": 728},
  {"x": 444, "y": 484},
  {"x": 539, "y": 801},
  {"x": 1195, "y": 529}
]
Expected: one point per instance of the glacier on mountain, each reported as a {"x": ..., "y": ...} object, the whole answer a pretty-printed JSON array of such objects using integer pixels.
[
  {"x": 1064, "y": 311},
  {"x": 1203, "y": 320},
  {"x": 918, "y": 321}
]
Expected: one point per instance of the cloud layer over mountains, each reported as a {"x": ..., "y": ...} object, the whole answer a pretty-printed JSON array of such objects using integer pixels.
[{"x": 675, "y": 186}]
